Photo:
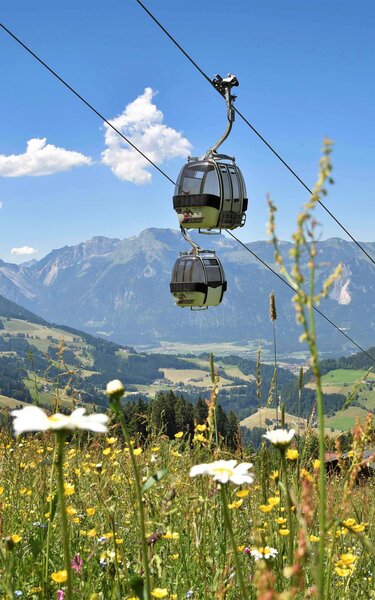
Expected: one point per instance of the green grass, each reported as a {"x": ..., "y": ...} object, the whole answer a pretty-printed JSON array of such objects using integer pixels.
[
  {"x": 218, "y": 349},
  {"x": 345, "y": 376},
  {"x": 367, "y": 397},
  {"x": 6, "y": 402},
  {"x": 18, "y": 326},
  {"x": 36, "y": 386},
  {"x": 347, "y": 419}
]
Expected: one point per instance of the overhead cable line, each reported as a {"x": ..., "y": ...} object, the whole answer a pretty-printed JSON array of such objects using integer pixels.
[
  {"x": 92, "y": 108},
  {"x": 294, "y": 291},
  {"x": 260, "y": 136},
  {"x": 84, "y": 101}
]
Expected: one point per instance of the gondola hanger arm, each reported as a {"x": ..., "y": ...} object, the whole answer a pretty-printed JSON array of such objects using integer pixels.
[
  {"x": 195, "y": 246},
  {"x": 224, "y": 87}
]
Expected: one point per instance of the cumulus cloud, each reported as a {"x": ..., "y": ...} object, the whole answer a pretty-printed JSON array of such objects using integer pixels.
[
  {"x": 23, "y": 251},
  {"x": 41, "y": 158},
  {"x": 142, "y": 123}
]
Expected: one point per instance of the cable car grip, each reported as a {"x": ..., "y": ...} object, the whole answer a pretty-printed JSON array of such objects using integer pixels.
[{"x": 224, "y": 87}]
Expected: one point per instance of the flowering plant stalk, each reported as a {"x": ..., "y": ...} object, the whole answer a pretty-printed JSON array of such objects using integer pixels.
[
  {"x": 115, "y": 391},
  {"x": 225, "y": 471},
  {"x": 33, "y": 418},
  {"x": 7, "y": 581},
  {"x": 49, "y": 526},
  {"x": 288, "y": 507},
  {"x": 304, "y": 302},
  {"x": 64, "y": 521},
  {"x": 229, "y": 529}
]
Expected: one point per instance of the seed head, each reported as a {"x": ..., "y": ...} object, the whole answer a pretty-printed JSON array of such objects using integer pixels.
[{"x": 273, "y": 314}]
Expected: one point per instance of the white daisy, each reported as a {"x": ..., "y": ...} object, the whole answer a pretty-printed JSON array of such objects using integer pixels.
[
  {"x": 266, "y": 552},
  {"x": 33, "y": 418},
  {"x": 280, "y": 438},
  {"x": 224, "y": 471}
]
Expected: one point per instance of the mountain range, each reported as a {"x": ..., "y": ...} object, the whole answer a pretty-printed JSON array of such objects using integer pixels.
[{"x": 120, "y": 289}]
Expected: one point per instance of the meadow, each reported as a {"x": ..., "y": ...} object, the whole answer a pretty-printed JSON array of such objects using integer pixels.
[{"x": 273, "y": 520}]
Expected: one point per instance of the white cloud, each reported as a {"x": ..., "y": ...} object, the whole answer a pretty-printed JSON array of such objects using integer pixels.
[
  {"x": 1, "y": 204},
  {"x": 41, "y": 158},
  {"x": 142, "y": 123},
  {"x": 23, "y": 251}
]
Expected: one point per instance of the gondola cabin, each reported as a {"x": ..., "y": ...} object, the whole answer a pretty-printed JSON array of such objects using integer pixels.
[
  {"x": 198, "y": 280},
  {"x": 210, "y": 194}
]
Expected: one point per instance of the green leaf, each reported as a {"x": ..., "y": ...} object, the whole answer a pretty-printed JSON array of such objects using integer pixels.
[
  {"x": 153, "y": 479},
  {"x": 137, "y": 585},
  {"x": 36, "y": 545}
]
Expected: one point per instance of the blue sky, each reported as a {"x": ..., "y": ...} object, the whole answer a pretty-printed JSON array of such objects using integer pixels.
[{"x": 305, "y": 70}]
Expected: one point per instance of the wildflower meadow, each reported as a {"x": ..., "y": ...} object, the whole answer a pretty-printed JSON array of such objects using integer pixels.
[{"x": 214, "y": 527}]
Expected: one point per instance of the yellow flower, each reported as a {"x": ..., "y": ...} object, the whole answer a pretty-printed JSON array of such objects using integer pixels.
[
  {"x": 1, "y": 489},
  {"x": 284, "y": 531},
  {"x": 314, "y": 538},
  {"x": 348, "y": 559},
  {"x": 199, "y": 438},
  {"x": 179, "y": 435},
  {"x": 156, "y": 448},
  {"x": 306, "y": 475},
  {"x": 59, "y": 576},
  {"x": 106, "y": 451},
  {"x": 235, "y": 504},
  {"x": 175, "y": 556},
  {"x": 242, "y": 493},
  {"x": 111, "y": 440},
  {"x": 159, "y": 592},
  {"x": 69, "y": 489},
  {"x": 274, "y": 475},
  {"x": 91, "y": 533},
  {"x": 201, "y": 428},
  {"x": 16, "y": 538},
  {"x": 341, "y": 531},
  {"x": 349, "y": 522},
  {"x": 274, "y": 501},
  {"x": 169, "y": 535},
  {"x": 342, "y": 572},
  {"x": 316, "y": 464},
  {"x": 292, "y": 454},
  {"x": 265, "y": 508},
  {"x": 70, "y": 510},
  {"x": 137, "y": 451},
  {"x": 359, "y": 527},
  {"x": 90, "y": 512},
  {"x": 280, "y": 521},
  {"x": 108, "y": 535}
]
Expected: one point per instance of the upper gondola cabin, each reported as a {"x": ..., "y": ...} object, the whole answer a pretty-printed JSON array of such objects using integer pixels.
[{"x": 211, "y": 194}]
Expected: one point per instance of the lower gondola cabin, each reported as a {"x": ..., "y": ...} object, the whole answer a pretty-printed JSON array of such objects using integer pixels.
[{"x": 198, "y": 280}]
